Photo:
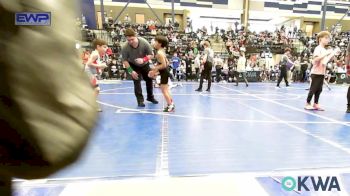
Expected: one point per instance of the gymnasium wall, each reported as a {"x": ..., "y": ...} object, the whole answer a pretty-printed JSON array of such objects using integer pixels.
[
  {"x": 113, "y": 11},
  {"x": 220, "y": 4},
  {"x": 306, "y": 10},
  {"x": 307, "y": 7},
  {"x": 329, "y": 22}
]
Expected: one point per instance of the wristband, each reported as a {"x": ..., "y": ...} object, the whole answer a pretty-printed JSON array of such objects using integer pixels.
[
  {"x": 130, "y": 70},
  {"x": 145, "y": 59}
]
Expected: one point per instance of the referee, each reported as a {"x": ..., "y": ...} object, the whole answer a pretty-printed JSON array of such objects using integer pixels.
[
  {"x": 208, "y": 59},
  {"x": 283, "y": 67},
  {"x": 136, "y": 55}
]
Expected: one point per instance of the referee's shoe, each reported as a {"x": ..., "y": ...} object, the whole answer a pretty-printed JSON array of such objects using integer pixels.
[{"x": 152, "y": 100}]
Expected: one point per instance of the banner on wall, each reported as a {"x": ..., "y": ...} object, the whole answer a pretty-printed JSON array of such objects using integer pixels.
[{"x": 88, "y": 13}]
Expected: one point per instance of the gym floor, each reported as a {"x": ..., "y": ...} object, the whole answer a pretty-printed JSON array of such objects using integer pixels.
[{"x": 258, "y": 134}]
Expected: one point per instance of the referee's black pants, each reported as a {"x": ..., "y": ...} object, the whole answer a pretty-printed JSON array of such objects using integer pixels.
[
  {"x": 206, "y": 73},
  {"x": 143, "y": 73},
  {"x": 283, "y": 75}
]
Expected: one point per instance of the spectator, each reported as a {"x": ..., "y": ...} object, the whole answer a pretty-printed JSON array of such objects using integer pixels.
[
  {"x": 241, "y": 68},
  {"x": 175, "y": 64},
  {"x": 218, "y": 62},
  {"x": 197, "y": 64}
]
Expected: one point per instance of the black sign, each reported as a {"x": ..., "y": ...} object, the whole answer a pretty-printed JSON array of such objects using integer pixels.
[
  {"x": 342, "y": 78},
  {"x": 252, "y": 76},
  {"x": 273, "y": 48}
]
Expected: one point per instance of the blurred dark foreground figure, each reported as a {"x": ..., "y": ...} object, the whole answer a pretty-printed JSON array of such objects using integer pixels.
[{"x": 47, "y": 105}]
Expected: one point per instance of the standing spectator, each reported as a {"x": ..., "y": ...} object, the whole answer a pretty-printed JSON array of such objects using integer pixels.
[
  {"x": 297, "y": 68},
  {"x": 197, "y": 64},
  {"x": 188, "y": 66},
  {"x": 295, "y": 31},
  {"x": 241, "y": 68},
  {"x": 181, "y": 71},
  {"x": 218, "y": 62},
  {"x": 205, "y": 30},
  {"x": 175, "y": 63},
  {"x": 127, "y": 19},
  {"x": 195, "y": 50},
  {"x": 303, "y": 67},
  {"x": 290, "y": 69}
]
